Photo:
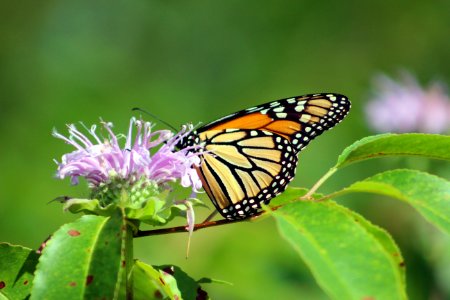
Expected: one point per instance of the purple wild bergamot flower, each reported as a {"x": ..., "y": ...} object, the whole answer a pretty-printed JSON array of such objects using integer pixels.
[
  {"x": 113, "y": 169},
  {"x": 405, "y": 106}
]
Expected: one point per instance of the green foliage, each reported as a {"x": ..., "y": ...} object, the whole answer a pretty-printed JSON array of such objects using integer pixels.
[
  {"x": 85, "y": 259},
  {"x": 70, "y": 61},
  {"x": 156, "y": 210},
  {"x": 428, "y": 194},
  {"x": 336, "y": 243},
  {"x": 414, "y": 144},
  {"x": 349, "y": 257},
  {"x": 166, "y": 282},
  {"x": 17, "y": 266},
  {"x": 151, "y": 283}
]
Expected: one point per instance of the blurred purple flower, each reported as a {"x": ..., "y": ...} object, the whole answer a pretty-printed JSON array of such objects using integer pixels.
[
  {"x": 104, "y": 160},
  {"x": 404, "y": 106}
]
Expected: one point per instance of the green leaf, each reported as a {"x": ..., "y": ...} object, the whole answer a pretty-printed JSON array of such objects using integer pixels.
[
  {"x": 415, "y": 144},
  {"x": 89, "y": 206},
  {"x": 17, "y": 265},
  {"x": 189, "y": 287},
  {"x": 84, "y": 260},
  {"x": 151, "y": 283},
  {"x": 165, "y": 282},
  {"x": 349, "y": 257},
  {"x": 291, "y": 194},
  {"x": 154, "y": 211},
  {"x": 428, "y": 194}
]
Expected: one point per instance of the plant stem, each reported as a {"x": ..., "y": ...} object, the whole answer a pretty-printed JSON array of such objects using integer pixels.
[
  {"x": 129, "y": 261},
  {"x": 142, "y": 233},
  {"x": 319, "y": 183}
]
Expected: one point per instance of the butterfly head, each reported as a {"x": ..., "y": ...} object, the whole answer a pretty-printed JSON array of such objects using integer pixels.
[{"x": 188, "y": 140}]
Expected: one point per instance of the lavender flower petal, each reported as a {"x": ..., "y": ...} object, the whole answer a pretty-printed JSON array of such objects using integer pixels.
[{"x": 103, "y": 161}]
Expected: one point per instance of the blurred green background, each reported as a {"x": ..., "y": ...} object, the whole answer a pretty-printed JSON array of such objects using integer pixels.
[{"x": 192, "y": 61}]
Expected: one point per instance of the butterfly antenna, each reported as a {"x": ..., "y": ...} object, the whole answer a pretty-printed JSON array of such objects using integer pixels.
[{"x": 154, "y": 117}]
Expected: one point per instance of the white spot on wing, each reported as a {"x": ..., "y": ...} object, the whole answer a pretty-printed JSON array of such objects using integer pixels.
[
  {"x": 278, "y": 109},
  {"x": 291, "y": 100},
  {"x": 299, "y": 108}
]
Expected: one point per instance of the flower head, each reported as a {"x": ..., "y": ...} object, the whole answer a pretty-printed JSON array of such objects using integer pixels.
[
  {"x": 110, "y": 165},
  {"x": 405, "y": 106}
]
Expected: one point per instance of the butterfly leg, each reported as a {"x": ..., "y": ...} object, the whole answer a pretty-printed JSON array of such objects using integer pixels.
[{"x": 214, "y": 213}]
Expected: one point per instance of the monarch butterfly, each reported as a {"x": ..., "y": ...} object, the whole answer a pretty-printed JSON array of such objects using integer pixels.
[{"x": 250, "y": 156}]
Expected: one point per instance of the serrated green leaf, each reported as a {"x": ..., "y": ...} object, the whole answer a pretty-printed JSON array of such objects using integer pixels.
[
  {"x": 17, "y": 265},
  {"x": 84, "y": 260},
  {"x": 349, "y": 257},
  {"x": 415, "y": 144},
  {"x": 428, "y": 194}
]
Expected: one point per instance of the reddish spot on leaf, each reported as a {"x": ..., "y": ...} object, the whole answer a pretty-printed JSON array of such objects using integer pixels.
[
  {"x": 25, "y": 282},
  {"x": 395, "y": 254},
  {"x": 176, "y": 297},
  {"x": 162, "y": 281},
  {"x": 201, "y": 294},
  {"x": 368, "y": 298},
  {"x": 73, "y": 232},
  {"x": 124, "y": 263},
  {"x": 158, "y": 295},
  {"x": 2, "y": 284},
  {"x": 124, "y": 228},
  {"x": 89, "y": 279},
  {"x": 402, "y": 264},
  {"x": 72, "y": 283}
]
